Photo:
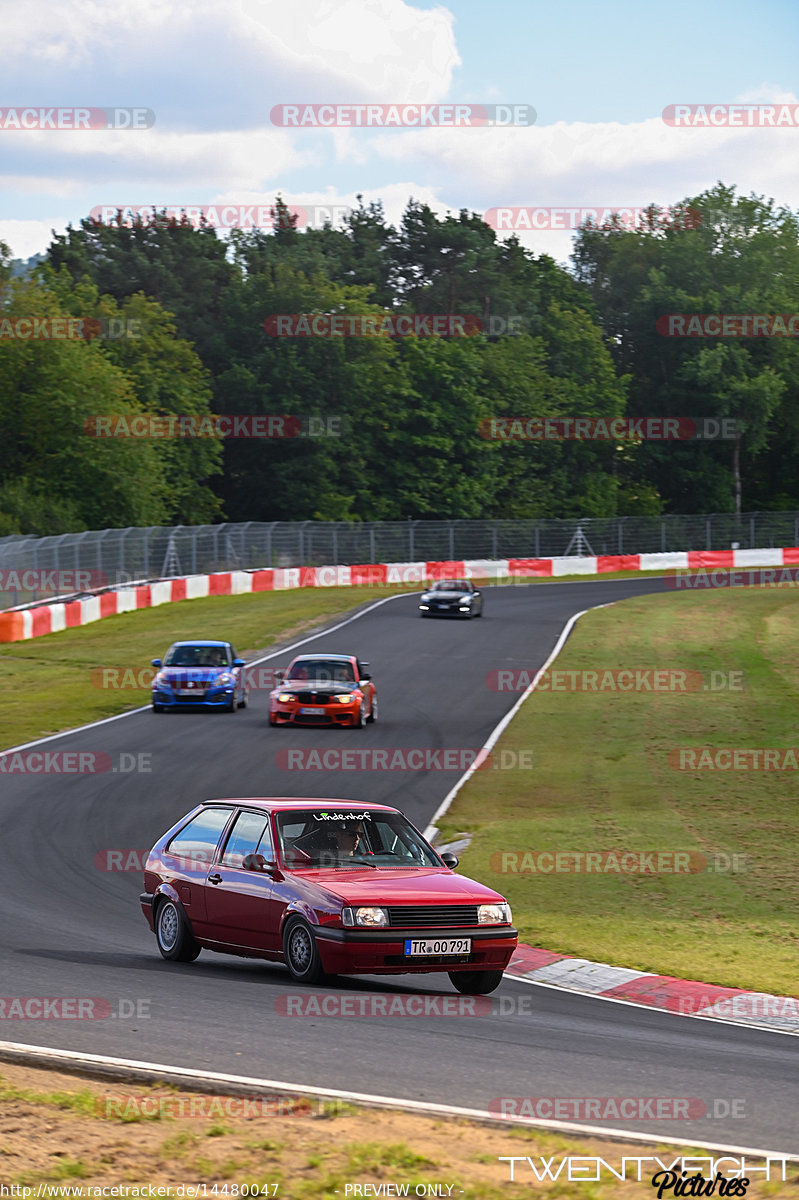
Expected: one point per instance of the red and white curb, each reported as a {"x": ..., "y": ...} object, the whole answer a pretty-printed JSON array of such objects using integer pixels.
[
  {"x": 19, "y": 624},
  {"x": 686, "y": 997}
]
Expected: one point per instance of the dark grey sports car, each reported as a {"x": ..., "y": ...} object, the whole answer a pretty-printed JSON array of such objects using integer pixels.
[{"x": 452, "y": 598}]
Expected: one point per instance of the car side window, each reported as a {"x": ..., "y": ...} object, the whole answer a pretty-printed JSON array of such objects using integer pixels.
[
  {"x": 250, "y": 835},
  {"x": 198, "y": 840}
]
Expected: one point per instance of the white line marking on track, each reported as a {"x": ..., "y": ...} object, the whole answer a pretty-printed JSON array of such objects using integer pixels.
[{"x": 132, "y": 1068}]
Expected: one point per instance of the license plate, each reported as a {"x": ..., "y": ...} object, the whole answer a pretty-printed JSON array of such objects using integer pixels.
[
  {"x": 191, "y": 692},
  {"x": 430, "y": 947},
  {"x": 312, "y": 712}
]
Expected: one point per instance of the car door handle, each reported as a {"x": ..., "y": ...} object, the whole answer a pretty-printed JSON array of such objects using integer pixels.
[{"x": 214, "y": 878}]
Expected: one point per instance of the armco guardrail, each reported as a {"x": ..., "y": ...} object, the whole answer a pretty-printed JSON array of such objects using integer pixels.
[{"x": 35, "y": 621}]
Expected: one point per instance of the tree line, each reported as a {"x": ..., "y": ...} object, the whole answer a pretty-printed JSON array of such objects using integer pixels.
[{"x": 392, "y": 419}]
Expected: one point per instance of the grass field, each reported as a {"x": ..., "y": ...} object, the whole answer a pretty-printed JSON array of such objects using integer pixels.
[{"x": 603, "y": 781}]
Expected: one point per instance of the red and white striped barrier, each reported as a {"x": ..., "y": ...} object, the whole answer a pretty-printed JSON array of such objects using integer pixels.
[{"x": 18, "y": 625}]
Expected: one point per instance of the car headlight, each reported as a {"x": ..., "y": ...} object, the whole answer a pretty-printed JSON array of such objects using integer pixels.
[
  {"x": 350, "y": 696},
  {"x": 160, "y": 677},
  {"x": 284, "y": 697},
  {"x": 369, "y": 915},
  {"x": 494, "y": 914},
  {"x": 224, "y": 678}
]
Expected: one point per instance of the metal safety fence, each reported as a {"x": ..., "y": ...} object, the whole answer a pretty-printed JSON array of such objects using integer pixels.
[{"x": 122, "y": 555}]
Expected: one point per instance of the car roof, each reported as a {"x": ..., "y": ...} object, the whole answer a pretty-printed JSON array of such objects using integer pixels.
[
  {"x": 343, "y": 657},
  {"x": 282, "y": 803},
  {"x": 199, "y": 642}
]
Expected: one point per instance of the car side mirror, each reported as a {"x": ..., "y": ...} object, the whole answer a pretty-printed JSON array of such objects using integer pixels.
[
  {"x": 365, "y": 677},
  {"x": 238, "y": 662},
  {"x": 257, "y": 862},
  {"x": 156, "y": 662},
  {"x": 450, "y": 860},
  {"x": 280, "y": 676}
]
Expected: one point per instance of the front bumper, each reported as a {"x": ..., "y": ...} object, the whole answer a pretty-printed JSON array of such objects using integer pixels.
[
  {"x": 380, "y": 951},
  {"x": 217, "y": 698},
  {"x": 334, "y": 714}
]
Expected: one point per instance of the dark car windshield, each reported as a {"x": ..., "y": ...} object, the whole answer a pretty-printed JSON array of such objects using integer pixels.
[
  {"x": 451, "y": 585},
  {"x": 345, "y": 838},
  {"x": 327, "y": 670},
  {"x": 197, "y": 656}
]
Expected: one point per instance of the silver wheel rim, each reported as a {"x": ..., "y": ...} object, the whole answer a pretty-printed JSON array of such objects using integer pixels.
[
  {"x": 300, "y": 949},
  {"x": 168, "y": 926}
]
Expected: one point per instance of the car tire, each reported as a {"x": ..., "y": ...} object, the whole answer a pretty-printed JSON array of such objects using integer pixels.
[
  {"x": 234, "y": 705},
  {"x": 157, "y": 708},
  {"x": 362, "y": 718},
  {"x": 244, "y": 701},
  {"x": 173, "y": 933},
  {"x": 373, "y": 711},
  {"x": 300, "y": 951},
  {"x": 475, "y": 983},
  {"x": 271, "y": 722}
]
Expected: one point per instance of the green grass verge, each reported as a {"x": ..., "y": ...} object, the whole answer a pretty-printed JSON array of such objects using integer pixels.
[
  {"x": 602, "y": 781},
  {"x": 50, "y": 683}
]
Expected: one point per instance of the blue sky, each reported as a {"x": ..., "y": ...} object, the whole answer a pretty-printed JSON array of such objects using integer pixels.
[{"x": 599, "y": 76}]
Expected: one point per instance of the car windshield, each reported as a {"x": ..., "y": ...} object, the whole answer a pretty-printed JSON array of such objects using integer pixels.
[
  {"x": 196, "y": 656},
  {"x": 325, "y": 670},
  {"x": 344, "y": 838},
  {"x": 451, "y": 585}
]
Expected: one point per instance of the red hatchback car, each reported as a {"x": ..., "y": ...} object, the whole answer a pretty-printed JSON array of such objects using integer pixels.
[
  {"x": 326, "y": 887},
  {"x": 324, "y": 689}
]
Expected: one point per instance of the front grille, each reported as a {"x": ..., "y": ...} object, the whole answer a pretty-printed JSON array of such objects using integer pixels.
[
  {"x": 431, "y": 916},
  {"x": 306, "y": 720},
  {"x": 313, "y": 697}
]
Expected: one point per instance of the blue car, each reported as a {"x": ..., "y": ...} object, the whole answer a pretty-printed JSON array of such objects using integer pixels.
[{"x": 200, "y": 675}]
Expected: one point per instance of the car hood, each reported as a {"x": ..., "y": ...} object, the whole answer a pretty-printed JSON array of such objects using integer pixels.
[
  {"x": 447, "y": 595},
  {"x": 315, "y": 685},
  {"x": 419, "y": 885},
  {"x": 195, "y": 674}
]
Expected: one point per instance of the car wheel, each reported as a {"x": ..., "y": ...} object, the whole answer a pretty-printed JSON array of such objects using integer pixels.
[
  {"x": 157, "y": 708},
  {"x": 475, "y": 983},
  {"x": 361, "y": 719},
  {"x": 272, "y": 722},
  {"x": 173, "y": 933},
  {"x": 300, "y": 951},
  {"x": 373, "y": 711},
  {"x": 244, "y": 700},
  {"x": 233, "y": 705}
]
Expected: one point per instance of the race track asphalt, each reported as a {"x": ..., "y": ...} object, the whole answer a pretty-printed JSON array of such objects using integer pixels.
[{"x": 70, "y": 929}]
